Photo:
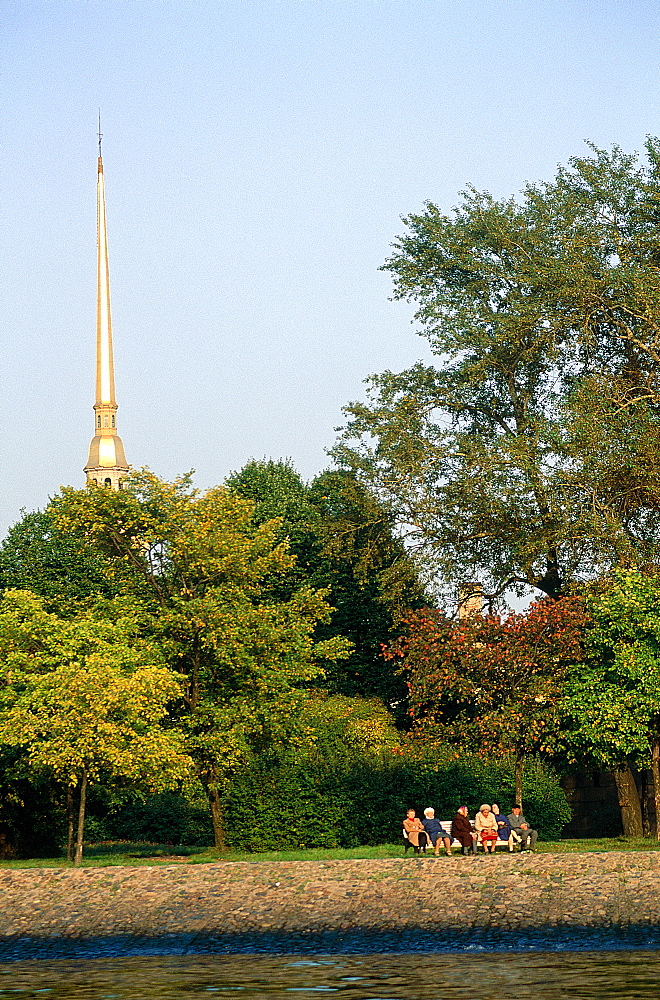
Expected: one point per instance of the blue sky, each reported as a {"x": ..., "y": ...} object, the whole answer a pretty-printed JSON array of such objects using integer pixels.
[{"x": 258, "y": 158}]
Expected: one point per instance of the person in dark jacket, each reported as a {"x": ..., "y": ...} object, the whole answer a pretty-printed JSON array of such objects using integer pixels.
[
  {"x": 461, "y": 830},
  {"x": 435, "y": 832}
]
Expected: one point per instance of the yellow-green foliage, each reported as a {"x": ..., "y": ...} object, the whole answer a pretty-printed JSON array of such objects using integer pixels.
[
  {"x": 87, "y": 693},
  {"x": 342, "y": 728}
]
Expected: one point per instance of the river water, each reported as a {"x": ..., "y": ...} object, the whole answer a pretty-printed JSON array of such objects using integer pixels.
[{"x": 596, "y": 975}]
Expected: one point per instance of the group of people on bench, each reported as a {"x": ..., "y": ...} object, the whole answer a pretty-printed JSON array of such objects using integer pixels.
[{"x": 489, "y": 826}]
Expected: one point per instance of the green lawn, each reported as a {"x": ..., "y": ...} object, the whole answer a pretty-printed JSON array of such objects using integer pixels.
[{"x": 107, "y": 854}]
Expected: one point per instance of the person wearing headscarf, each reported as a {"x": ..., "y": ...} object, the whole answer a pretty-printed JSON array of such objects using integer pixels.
[{"x": 461, "y": 830}]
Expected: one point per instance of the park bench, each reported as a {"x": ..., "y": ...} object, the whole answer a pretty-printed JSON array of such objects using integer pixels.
[{"x": 446, "y": 826}]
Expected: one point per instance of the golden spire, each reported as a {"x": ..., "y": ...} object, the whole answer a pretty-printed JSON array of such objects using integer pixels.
[{"x": 106, "y": 464}]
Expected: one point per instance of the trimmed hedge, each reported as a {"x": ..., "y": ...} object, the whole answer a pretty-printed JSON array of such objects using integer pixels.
[{"x": 365, "y": 804}]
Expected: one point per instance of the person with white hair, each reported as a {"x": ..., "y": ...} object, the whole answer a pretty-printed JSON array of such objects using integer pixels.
[
  {"x": 486, "y": 826},
  {"x": 435, "y": 832}
]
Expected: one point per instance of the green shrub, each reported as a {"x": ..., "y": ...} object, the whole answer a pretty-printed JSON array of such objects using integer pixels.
[
  {"x": 365, "y": 803},
  {"x": 281, "y": 807}
]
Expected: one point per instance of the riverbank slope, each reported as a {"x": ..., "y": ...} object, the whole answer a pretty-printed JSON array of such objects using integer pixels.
[{"x": 265, "y": 906}]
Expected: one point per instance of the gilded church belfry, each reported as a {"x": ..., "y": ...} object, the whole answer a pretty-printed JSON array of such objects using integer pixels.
[{"x": 106, "y": 463}]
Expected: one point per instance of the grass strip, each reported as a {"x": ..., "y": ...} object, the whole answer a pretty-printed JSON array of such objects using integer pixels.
[{"x": 141, "y": 854}]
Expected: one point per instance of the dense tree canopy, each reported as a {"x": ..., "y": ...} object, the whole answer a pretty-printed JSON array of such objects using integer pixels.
[
  {"x": 529, "y": 455},
  {"x": 61, "y": 567},
  {"x": 344, "y": 543},
  {"x": 610, "y": 704},
  {"x": 84, "y": 698},
  {"x": 231, "y": 590}
]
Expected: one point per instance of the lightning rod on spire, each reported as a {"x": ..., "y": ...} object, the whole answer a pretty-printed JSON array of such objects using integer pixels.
[{"x": 100, "y": 133}]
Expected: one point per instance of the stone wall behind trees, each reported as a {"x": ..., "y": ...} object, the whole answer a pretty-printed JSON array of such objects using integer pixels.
[{"x": 594, "y": 803}]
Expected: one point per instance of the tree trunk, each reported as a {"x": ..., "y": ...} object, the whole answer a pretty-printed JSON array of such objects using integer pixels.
[
  {"x": 216, "y": 816},
  {"x": 70, "y": 821},
  {"x": 194, "y": 680},
  {"x": 81, "y": 818},
  {"x": 655, "y": 771},
  {"x": 551, "y": 582},
  {"x": 519, "y": 780},
  {"x": 644, "y": 796},
  {"x": 631, "y": 813}
]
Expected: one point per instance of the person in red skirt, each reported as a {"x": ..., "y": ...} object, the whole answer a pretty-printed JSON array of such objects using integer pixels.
[{"x": 486, "y": 826}]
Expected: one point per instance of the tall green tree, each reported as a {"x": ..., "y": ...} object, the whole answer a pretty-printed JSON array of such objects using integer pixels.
[
  {"x": 511, "y": 459},
  {"x": 201, "y": 572},
  {"x": 344, "y": 542},
  {"x": 278, "y": 493},
  {"x": 59, "y": 566},
  {"x": 610, "y": 705},
  {"x": 373, "y": 582}
]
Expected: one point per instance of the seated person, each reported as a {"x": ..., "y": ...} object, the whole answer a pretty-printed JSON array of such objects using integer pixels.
[
  {"x": 415, "y": 831},
  {"x": 504, "y": 830},
  {"x": 435, "y": 832},
  {"x": 461, "y": 830},
  {"x": 486, "y": 826},
  {"x": 522, "y": 829}
]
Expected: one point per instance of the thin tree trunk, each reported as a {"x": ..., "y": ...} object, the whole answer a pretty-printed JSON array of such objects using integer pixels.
[
  {"x": 81, "y": 818},
  {"x": 644, "y": 797},
  {"x": 70, "y": 821},
  {"x": 631, "y": 813},
  {"x": 655, "y": 771},
  {"x": 194, "y": 681},
  {"x": 216, "y": 816},
  {"x": 519, "y": 780}
]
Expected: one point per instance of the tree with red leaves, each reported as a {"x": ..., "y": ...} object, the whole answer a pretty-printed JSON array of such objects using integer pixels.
[{"x": 492, "y": 683}]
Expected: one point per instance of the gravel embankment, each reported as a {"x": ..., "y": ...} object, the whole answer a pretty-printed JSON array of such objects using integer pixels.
[{"x": 407, "y": 902}]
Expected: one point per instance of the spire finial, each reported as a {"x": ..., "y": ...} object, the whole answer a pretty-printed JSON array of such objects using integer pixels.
[{"x": 100, "y": 133}]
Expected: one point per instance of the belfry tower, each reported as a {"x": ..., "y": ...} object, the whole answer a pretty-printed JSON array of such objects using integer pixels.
[{"x": 106, "y": 464}]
